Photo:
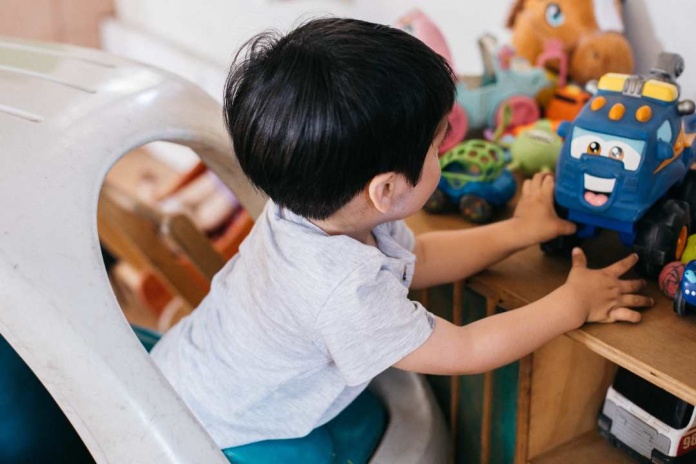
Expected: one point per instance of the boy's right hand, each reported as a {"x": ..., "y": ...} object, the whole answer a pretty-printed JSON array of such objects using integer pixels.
[{"x": 602, "y": 295}]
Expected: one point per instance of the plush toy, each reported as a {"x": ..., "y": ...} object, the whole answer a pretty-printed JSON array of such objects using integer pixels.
[
  {"x": 592, "y": 50},
  {"x": 419, "y": 25},
  {"x": 535, "y": 149}
]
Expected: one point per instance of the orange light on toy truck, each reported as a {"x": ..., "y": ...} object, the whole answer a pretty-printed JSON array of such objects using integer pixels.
[
  {"x": 598, "y": 103},
  {"x": 643, "y": 114},
  {"x": 617, "y": 112}
]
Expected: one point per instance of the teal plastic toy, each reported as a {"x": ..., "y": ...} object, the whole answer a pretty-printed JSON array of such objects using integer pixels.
[{"x": 502, "y": 86}]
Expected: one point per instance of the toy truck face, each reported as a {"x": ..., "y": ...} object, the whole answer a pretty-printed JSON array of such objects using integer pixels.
[{"x": 623, "y": 152}]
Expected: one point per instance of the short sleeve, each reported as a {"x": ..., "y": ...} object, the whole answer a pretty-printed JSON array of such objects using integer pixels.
[{"x": 369, "y": 324}]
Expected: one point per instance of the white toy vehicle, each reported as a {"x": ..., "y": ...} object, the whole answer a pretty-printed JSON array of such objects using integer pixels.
[{"x": 651, "y": 424}]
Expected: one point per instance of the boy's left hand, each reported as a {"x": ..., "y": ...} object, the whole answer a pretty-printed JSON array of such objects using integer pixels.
[{"x": 535, "y": 213}]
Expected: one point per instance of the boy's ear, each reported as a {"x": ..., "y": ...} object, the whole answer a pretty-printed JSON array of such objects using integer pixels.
[{"x": 382, "y": 190}]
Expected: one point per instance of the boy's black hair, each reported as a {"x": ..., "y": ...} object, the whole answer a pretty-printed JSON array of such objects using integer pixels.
[{"x": 314, "y": 115}]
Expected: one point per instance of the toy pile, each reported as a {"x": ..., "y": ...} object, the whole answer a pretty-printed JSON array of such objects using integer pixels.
[{"x": 557, "y": 48}]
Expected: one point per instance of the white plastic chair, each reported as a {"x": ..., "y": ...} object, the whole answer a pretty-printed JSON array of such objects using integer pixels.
[{"x": 66, "y": 116}]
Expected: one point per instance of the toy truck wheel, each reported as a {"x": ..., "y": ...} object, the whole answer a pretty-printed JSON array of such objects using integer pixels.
[
  {"x": 661, "y": 236},
  {"x": 680, "y": 305},
  {"x": 563, "y": 244},
  {"x": 560, "y": 246},
  {"x": 438, "y": 203},
  {"x": 687, "y": 193},
  {"x": 475, "y": 209}
]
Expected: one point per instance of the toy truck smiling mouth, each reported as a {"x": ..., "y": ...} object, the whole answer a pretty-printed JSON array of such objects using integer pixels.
[{"x": 625, "y": 165}]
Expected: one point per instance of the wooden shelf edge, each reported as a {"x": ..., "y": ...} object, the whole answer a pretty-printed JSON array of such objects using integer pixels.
[{"x": 620, "y": 358}]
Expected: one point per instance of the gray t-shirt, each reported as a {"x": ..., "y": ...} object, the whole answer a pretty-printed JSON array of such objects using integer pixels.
[{"x": 294, "y": 328}]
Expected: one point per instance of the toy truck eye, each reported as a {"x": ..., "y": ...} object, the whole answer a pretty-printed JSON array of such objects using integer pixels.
[
  {"x": 616, "y": 153},
  {"x": 628, "y": 154},
  {"x": 594, "y": 148},
  {"x": 584, "y": 142}
]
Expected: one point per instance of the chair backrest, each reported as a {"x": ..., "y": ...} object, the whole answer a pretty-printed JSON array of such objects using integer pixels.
[{"x": 66, "y": 115}]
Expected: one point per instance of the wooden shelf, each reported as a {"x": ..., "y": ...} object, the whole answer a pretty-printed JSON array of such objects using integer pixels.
[
  {"x": 589, "y": 447},
  {"x": 659, "y": 349}
]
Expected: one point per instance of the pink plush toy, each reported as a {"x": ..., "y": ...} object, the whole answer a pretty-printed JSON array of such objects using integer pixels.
[{"x": 419, "y": 25}]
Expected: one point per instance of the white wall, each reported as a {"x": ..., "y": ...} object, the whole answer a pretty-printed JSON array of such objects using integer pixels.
[{"x": 214, "y": 29}]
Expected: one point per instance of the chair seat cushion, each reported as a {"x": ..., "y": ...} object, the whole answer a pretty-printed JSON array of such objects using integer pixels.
[{"x": 351, "y": 437}]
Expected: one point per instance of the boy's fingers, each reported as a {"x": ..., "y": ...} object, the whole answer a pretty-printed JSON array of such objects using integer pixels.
[
  {"x": 579, "y": 258},
  {"x": 621, "y": 267},
  {"x": 526, "y": 186},
  {"x": 636, "y": 301},
  {"x": 623, "y": 314},
  {"x": 547, "y": 182},
  {"x": 631, "y": 286},
  {"x": 537, "y": 179},
  {"x": 567, "y": 227}
]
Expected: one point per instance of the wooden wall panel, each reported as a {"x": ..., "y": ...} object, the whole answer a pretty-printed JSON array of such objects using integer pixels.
[
  {"x": 569, "y": 383},
  {"x": 67, "y": 21}
]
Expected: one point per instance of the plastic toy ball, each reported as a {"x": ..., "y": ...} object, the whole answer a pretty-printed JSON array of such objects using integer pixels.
[
  {"x": 669, "y": 278},
  {"x": 474, "y": 180},
  {"x": 685, "y": 296}
]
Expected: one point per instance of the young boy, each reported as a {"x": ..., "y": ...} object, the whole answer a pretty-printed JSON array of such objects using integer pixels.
[{"x": 339, "y": 123}]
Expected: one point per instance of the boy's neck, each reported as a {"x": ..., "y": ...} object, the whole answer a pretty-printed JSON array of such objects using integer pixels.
[{"x": 356, "y": 220}]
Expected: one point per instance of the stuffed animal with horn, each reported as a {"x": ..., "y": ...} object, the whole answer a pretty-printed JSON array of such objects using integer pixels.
[{"x": 590, "y": 32}]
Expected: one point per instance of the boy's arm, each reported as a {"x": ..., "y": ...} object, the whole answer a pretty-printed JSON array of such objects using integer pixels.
[
  {"x": 587, "y": 296},
  {"x": 446, "y": 256},
  {"x": 491, "y": 342}
]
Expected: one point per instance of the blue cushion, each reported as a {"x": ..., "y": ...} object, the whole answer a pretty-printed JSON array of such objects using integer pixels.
[
  {"x": 351, "y": 437},
  {"x": 32, "y": 426},
  {"x": 34, "y": 429}
]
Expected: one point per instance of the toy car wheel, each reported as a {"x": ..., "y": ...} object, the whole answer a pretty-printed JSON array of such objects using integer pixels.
[
  {"x": 438, "y": 203},
  {"x": 680, "y": 304},
  {"x": 661, "y": 236},
  {"x": 475, "y": 209},
  {"x": 687, "y": 193}
]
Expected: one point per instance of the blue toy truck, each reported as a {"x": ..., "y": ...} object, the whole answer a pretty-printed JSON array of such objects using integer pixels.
[
  {"x": 474, "y": 179},
  {"x": 625, "y": 162}
]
